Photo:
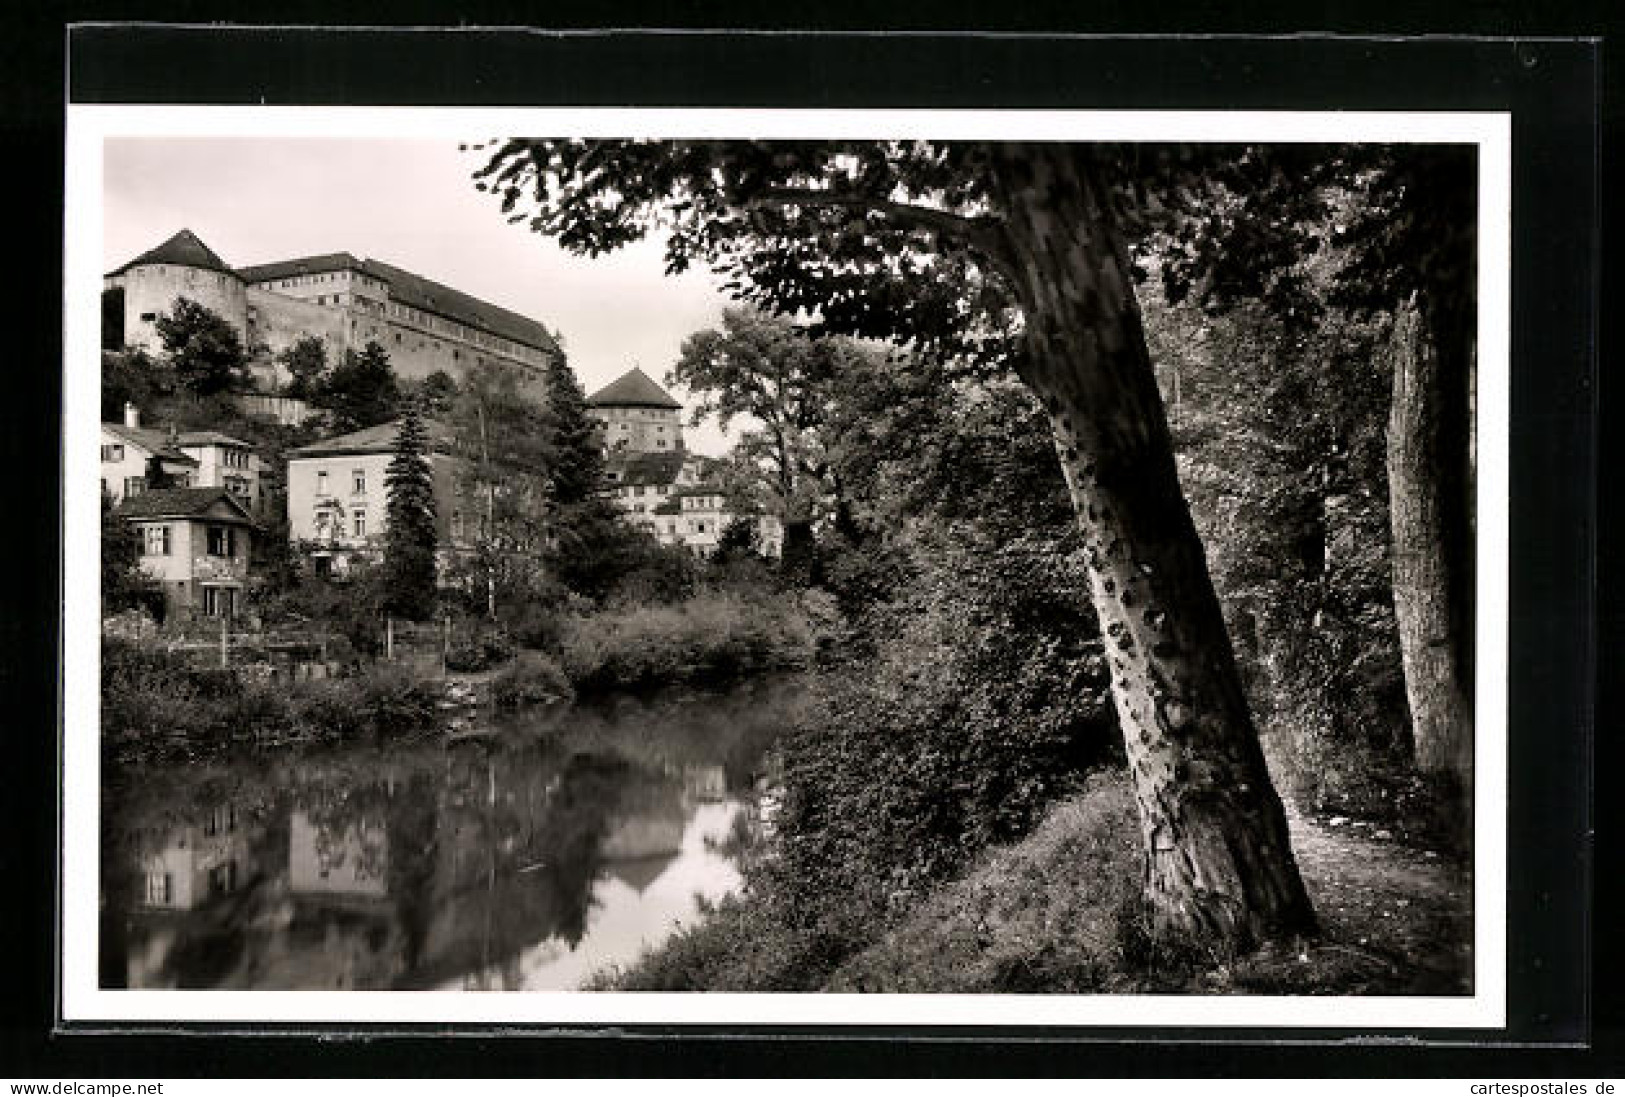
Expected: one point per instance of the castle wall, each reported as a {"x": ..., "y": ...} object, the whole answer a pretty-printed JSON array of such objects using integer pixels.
[
  {"x": 276, "y": 322},
  {"x": 417, "y": 343},
  {"x": 150, "y": 291}
]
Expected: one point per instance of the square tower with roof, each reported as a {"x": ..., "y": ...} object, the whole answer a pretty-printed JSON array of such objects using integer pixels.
[{"x": 637, "y": 415}]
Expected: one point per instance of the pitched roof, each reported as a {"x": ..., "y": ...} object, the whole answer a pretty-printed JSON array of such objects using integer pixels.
[
  {"x": 178, "y": 503},
  {"x": 634, "y": 389},
  {"x": 184, "y": 249},
  {"x": 290, "y": 268},
  {"x": 378, "y": 439},
  {"x": 430, "y": 296},
  {"x": 416, "y": 291},
  {"x": 155, "y": 442},
  {"x": 207, "y": 438},
  {"x": 645, "y": 468}
]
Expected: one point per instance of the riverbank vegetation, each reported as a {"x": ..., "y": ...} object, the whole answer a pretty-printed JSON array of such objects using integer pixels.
[{"x": 159, "y": 705}]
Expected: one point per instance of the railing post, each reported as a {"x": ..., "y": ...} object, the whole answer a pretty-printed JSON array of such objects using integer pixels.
[
  {"x": 225, "y": 642},
  {"x": 389, "y": 639}
]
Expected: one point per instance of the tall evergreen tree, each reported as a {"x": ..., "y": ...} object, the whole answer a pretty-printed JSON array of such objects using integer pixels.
[
  {"x": 578, "y": 460},
  {"x": 409, "y": 541}
]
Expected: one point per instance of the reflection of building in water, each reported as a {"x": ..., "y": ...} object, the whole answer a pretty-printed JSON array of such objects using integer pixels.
[
  {"x": 705, "y": 784},
  {"x": 351, "y": 860},
  {"x": 645, "y": 837},
  {"x": 195, "y": 864}
]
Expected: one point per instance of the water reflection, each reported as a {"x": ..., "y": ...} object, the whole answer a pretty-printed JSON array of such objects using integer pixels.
[{"x": 566, "y": 842}]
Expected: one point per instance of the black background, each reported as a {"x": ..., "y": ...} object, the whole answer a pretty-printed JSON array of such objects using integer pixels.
[{"x": 1550, "y": 86}]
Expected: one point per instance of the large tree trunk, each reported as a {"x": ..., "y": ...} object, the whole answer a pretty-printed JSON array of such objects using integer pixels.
[
  {"x": 1218, "y": 860},
  {"x": 1429, "y": 470}
]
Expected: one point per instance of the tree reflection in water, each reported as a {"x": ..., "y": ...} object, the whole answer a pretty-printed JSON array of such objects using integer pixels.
[{"x": 523, "y": 862}]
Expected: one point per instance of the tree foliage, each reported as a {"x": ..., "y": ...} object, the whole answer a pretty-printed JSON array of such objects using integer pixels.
[
  {"x": 306, "y": 362},
  {"x": 504, "y": 440},
  {"x": 204, "y": 350},
  {"x": 124, "y": 584},
  {"x": 362, "y": 390}
]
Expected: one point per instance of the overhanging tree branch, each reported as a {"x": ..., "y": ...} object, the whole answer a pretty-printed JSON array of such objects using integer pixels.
[{"x": 984, "y": 234}]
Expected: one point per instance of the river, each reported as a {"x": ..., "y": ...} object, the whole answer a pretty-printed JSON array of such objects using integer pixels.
[{"x": 563, "y": 843}]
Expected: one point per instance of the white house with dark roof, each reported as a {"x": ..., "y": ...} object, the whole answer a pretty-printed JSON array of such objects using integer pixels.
[
  {"x": 127, "y": 448},
  {"x": 194, "y": 458},
  {"x": 195, "y": 543},
  {"x": 338, "y": 503},
  {"x": 338, "y": 298}
]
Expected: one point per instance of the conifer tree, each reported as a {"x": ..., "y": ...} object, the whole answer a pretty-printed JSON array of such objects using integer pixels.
[
  {"x": 409, "y": 541},
  {"x": 578, "y": 469}
]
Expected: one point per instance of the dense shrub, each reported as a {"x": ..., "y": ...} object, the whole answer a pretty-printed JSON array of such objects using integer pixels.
[
  {"x": 531, "y": 679},
  {"x": 987, "y": 701},
  {"x": 708, "y": 640},
  {"x": 476, "y": 646}
]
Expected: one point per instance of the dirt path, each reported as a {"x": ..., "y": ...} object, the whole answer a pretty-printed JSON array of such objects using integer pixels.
[{"x": 1394, "y": 920}]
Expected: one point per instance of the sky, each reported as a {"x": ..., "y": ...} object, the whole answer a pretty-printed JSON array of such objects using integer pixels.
[{"x": 410, "y": 202}]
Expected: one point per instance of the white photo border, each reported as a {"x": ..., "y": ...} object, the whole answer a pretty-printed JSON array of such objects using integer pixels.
[{"x": 82, "y": 1000}]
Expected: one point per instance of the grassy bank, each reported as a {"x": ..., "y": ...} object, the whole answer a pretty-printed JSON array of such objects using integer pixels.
[
  {"x": 157, "y": 705},
  {"x": 1059, "y": 912}
]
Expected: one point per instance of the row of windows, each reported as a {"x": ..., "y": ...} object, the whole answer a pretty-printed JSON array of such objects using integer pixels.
[
  {"x": 358, "y": 523},
  {"x": 158, "y": 541},
  {"x": 358, "y": 482}
]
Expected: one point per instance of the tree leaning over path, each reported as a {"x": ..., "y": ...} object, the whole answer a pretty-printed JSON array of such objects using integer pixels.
[
  {"x": 954, "y": 248},
  {"x": 410, "y": 540}
]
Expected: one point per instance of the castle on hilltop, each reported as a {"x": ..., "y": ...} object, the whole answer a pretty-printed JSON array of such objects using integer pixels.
[{"x": 344, "y": 301}]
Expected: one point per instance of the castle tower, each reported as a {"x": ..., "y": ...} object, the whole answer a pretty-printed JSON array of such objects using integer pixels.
[
  {"x": 182, "y": 266},
  {"x": 637, "y": 415}
]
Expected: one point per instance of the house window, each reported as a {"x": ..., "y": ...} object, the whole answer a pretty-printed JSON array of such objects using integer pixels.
[
  {"x": 638, "y": 490},
  {"x": 223, "y": 879},
  {"x": 321, "y": 483},
  {"x": 222, "y": 541},
  {"x": 700, "y": 527},
  {"x": 219, "y": 602},
  {"x": 358, "y": 482},
  {"x": 222, "y": 820},
  {"x": 660, "y": 442},
  {"x": 160, "y": 889},
  {"x": 149, "y": 317},
  {"x": 360, "y": 523},
  {"x": 157, "y": 541},
  {"x": 134, "y": 485},
  {"x": 113, "y": 452}
]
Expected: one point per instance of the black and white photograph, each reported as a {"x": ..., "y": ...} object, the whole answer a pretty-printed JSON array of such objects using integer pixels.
[{"x": 824, "y": 562}]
